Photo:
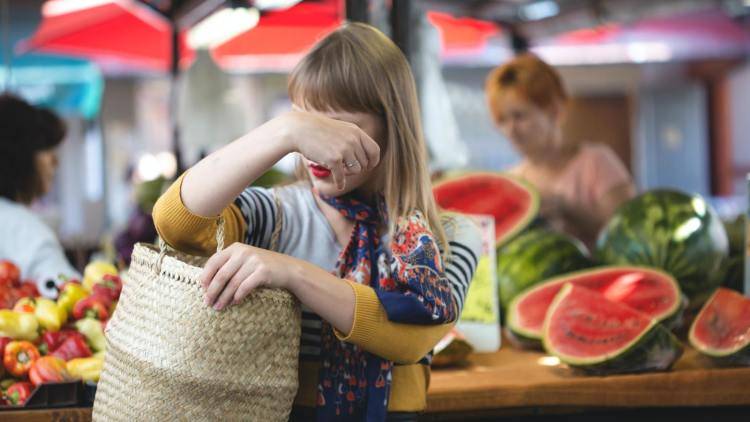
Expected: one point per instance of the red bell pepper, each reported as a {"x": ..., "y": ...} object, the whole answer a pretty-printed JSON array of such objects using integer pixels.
[
  {"x": 110, "y": 286},
  {"x": 48, "y": 369},
  {"x": 104, "y": 293},
  {"x": 94, "y": 306},
  {"x": 72, "y": 348},
  {"x": 51, "y": 341},
  {"x": 19, "y": 356},
  {"x": 8, "y": 297},
  {"x": 19, "y": 392},
  {"x": 10, "y": 275},
  {"x": 28, "y": 289}
]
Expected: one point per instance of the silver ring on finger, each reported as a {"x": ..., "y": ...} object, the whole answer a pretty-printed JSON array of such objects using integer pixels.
[{"x": 350, "y": 165}]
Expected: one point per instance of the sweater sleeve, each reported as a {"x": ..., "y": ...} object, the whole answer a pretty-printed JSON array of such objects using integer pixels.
[
  {"x": 192, "y": 233},
  {"x": 372, "y": 331},
  {"x": 408, "y": 343},
  {"x": 465, "y": 241}
]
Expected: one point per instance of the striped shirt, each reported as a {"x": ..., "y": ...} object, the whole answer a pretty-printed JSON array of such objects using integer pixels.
[{"x": 306, "y": 234}]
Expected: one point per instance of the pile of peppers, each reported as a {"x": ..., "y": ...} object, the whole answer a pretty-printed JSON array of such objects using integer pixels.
[{"x": 50, "y": 341}]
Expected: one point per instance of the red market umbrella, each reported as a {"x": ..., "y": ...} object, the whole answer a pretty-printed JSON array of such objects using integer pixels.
[
  {"x": 462, "y": 36},
  {"x": 695, "y": 35},
  {"x": 280, "y": 38},
  {"x": 119, "y": 35}
]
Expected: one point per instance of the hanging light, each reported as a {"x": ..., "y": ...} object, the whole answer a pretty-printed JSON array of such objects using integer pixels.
[
  {"x": 539, "y": 10},
  {"x": 222, "y": 26},
  {"x": 62, "y": 7},
  {"x": 274, "y": 4}
]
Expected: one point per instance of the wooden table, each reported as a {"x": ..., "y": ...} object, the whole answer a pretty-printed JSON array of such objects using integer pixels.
[
  {"x": 74, "y": 414},
  {"x": 514, "y": 382}
]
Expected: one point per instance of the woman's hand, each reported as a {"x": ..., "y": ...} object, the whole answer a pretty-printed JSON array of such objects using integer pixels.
[
  {"x": 230, "y": 275},
  {"x": 331, "y": 143}
]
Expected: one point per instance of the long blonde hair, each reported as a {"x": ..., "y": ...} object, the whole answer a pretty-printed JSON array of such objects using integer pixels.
[{"x": 358, "y": 69}]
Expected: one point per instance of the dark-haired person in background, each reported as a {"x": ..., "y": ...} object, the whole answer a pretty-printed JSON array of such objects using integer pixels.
[{"x": 28, "y": 161}]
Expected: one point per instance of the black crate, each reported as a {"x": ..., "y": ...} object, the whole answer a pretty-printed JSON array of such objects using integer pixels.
[{"x": 61, "y": 394}]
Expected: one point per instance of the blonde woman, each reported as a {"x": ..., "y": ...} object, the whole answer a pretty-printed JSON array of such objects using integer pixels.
[{"x": 358, "y": 241}]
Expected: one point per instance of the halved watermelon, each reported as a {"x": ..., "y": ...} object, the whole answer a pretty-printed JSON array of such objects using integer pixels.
[
  {"x": 590, "y": 332},
  {"x": 653, "y": 292},
  {"x": 512, "y": 202},
  {"x": 722, "y": 328}
]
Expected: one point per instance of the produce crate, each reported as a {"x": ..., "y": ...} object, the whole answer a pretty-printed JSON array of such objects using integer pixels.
[{"x": 62, "y": 394}]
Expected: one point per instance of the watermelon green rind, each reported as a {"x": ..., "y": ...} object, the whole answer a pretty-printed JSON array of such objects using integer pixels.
[
  {"x": 521, "y": 224},
  {"x": 534, "y": 256},
  {"x": 738, "y": 354},
  {"x": 655, "y": 349},
  {"x": 670, "y": 318},
  {"x": 522, "y": 341},
  {"x": 675, "y": 320},
  {"x": 671, "y": 230}
]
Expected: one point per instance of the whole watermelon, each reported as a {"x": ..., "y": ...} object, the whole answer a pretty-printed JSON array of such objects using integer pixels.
[
  {"x": 534, "y": 256},
  {"x": 735, "y": 267},
  {"x": 671, "y": 230}
]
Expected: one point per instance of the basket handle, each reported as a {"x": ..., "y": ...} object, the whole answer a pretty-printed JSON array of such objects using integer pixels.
[{"x": 164, "y": 247}]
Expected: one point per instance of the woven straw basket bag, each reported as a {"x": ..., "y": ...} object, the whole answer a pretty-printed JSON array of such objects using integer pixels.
[{"x": 171, "y": 357}]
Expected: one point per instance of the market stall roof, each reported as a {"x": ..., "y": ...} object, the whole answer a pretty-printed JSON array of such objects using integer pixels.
[
  {"x": 67, "y": 85},
  {"x": 691, "y": 36},
  {"x": 462, "y": 35},
  {"x": 116, "y": 34},
  {"x": 695, "y": 35},
  {"x": 280, "y": 38}
]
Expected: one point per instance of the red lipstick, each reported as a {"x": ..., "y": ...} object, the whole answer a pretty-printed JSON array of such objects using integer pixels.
[{"x": 319, "y": 171}]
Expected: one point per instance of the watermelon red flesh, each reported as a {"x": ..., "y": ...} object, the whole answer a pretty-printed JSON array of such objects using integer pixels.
[
  {"x": 589, "y": 332},
  {"x": 583, "y": 326},
  {"x": 722, "y": 328},
  {"x": 649, "y": 291},
  {"x": 511, "y": 202}
]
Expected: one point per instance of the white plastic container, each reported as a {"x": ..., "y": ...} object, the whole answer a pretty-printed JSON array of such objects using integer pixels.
[{"x": 480, "y": 319}]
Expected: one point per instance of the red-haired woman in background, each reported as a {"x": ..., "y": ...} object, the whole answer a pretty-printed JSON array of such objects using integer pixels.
[{"x": 581, "y": 184}]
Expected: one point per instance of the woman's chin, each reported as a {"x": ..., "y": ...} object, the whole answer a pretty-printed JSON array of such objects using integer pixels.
[{"x": 326, "y": 187}]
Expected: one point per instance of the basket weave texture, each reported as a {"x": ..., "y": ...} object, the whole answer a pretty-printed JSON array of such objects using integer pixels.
[{"x": 171, "y": 357}]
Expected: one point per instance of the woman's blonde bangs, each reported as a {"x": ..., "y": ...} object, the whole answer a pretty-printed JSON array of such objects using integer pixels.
[{"x": 339, "y": 74}]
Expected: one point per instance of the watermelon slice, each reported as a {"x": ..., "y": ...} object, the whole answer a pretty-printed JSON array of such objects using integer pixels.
[
  {"x": 589, "y": 332},
  {"x": 722, "y": 328},
  {"x": 513, "y": 203},
  {"x": 647, "y": 290}
]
